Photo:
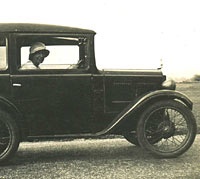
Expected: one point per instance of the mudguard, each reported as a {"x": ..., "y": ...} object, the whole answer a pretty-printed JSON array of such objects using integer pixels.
[
  {"x": 141, "y": 101},
  {"x": 8, "y": 106}
]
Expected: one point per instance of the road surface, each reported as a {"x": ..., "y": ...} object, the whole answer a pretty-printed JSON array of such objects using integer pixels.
[{"x": 98, "y": 159}]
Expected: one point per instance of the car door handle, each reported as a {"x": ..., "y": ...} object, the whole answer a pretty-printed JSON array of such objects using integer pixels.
[{"x": 17, "y": 84}]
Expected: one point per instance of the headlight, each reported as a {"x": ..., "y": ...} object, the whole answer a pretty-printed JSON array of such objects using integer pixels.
[{"x": 169, "y": 84}]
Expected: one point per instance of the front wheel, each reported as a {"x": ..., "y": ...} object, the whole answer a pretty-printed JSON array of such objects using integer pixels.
[
  {"x": 170, "y": 125},
  {"x": 9, "y": 137}
]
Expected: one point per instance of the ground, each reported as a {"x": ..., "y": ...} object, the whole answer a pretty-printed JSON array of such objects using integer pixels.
[
  {"x": 192, "y": 90},
  {"x": 98, "y": 159}
]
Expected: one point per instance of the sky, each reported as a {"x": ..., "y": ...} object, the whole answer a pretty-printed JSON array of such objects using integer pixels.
[{"x": 131, "y": 34}]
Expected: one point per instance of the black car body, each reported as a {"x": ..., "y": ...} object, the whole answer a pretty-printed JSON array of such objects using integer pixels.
[{"x": 62, "y": 99}]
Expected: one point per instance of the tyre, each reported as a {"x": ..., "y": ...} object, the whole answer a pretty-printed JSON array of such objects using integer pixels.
[
  {"x": 167, "y": 129},
  {"x": 132, "y": 138},
  {"x": 9, "y": 137}
]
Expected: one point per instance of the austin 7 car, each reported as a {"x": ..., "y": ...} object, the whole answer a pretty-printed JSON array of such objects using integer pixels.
[{"x": 60, "y": 93}]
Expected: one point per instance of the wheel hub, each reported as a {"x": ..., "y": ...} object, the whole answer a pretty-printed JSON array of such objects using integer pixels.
[{"x": 167, "y": 128}]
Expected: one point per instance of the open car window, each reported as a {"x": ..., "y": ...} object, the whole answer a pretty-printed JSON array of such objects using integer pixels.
[
  {"x": 64, "y": 53},
  {"x": 3, "y": 54}
]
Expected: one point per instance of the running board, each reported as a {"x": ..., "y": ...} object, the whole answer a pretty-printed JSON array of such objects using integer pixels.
[{"x": 65, "y": 136}]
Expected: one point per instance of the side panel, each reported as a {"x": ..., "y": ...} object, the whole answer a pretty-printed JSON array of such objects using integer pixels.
[
  {"x": 54, "y": 104},
  {"x": 5, "y": 85},
  {"x": 99, "y": 117},
  {"x": 122, "y": 90},
  {"x": 114, "y": 92}
]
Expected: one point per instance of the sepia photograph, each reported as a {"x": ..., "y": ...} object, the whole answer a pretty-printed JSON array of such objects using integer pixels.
[{"x": 100, "y": 89}]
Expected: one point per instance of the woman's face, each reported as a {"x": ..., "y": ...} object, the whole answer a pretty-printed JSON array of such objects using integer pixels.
[{"x": 38, "y": 58}]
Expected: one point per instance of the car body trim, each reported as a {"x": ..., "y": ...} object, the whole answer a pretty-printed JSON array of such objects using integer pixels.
[{"x": 49, "y": 75}]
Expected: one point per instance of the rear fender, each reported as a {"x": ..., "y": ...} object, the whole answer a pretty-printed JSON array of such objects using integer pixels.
[
  {"x": 142, "y": 102},
  {"x": 10, "y": 108}
]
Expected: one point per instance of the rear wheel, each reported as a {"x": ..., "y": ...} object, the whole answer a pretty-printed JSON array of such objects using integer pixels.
[
  {"x": 167, "y": 129},
  {"x": 9, "y": 137}
]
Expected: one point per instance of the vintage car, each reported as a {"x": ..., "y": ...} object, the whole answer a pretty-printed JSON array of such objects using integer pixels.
[{"x": 68, "y": 96}]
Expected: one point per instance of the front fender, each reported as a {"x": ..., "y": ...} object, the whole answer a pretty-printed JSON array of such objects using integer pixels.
[
  {"x": 142, "y": 101},
  {"x": 163, "y": 94}
]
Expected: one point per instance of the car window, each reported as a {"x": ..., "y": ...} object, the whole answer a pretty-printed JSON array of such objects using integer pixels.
[
  {"x": 64, "y": 53},
  {"x": 3, "y": 58}
]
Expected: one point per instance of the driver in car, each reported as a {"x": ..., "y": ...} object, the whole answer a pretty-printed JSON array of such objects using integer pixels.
[{"x": 37, "y": 54}]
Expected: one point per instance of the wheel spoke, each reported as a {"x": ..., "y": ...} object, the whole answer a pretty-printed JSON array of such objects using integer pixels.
[
  {"x": 180, "y": 122},
  {"x": 175, "y": 114},
  {"x": 182, "y": 137},
  {"x": 4, "y": 140},
  {"x": 169, "y": 130},
  {"x": 173, "y": 141}
]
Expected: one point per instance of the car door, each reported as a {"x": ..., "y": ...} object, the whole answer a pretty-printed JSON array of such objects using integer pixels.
[{"x": 56, "y": 97}]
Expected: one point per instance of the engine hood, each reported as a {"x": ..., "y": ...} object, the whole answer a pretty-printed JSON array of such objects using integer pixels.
[
  {"x": 120, "y": 87},
  {"x": 131, "y": 72}
]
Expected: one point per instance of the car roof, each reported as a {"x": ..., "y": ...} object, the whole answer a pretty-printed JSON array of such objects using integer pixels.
[{"x": 27, "y": 27}]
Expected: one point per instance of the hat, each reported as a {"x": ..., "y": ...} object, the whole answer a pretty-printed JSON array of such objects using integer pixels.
[{"x": 38, "y": 47}]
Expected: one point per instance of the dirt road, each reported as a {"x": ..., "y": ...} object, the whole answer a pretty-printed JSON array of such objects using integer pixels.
[{"x": 102, "y": 158}]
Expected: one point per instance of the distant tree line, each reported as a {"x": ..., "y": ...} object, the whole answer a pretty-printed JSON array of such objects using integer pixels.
[{"x": 196, "y": 77}]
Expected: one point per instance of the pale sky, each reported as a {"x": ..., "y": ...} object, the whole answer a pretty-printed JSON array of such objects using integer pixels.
[{"x": 130, "y": 34}]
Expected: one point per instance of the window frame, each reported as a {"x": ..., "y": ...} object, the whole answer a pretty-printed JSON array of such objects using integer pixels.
[
  {"x": 6, "y": 53},
  {"x": 83, "y": 44}
]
